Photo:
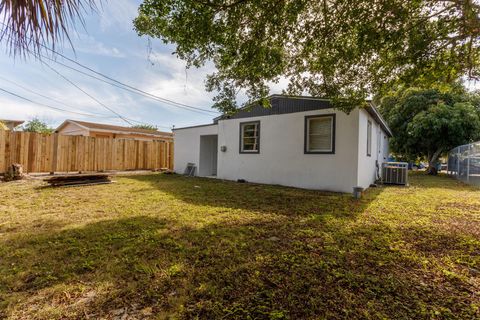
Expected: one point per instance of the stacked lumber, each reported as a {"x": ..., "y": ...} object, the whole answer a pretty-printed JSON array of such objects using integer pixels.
[{"x": 82, "y": 179}]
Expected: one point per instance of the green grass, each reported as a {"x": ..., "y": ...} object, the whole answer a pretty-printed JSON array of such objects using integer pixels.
[{"x": 170, "y": 247}]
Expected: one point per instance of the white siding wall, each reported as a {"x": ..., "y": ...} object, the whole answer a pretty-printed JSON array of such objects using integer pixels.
[
  {"x": 187, "y": 146},
  {"x": 366, "y": 164},
  {"x": 282, "y": 160}
]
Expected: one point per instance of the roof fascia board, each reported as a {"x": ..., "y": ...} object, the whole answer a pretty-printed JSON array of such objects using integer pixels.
[{"x": 198, "y": 126}]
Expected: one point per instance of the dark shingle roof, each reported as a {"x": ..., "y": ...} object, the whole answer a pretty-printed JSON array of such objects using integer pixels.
[{"x": 282, "y": 104}]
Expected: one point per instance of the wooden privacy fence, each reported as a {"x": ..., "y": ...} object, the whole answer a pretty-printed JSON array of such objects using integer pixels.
[{"x": 58, "y": 153}]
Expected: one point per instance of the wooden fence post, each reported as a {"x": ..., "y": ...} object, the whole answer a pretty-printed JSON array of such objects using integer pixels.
[
  {"x": 3, "y": 140},
  {"x": 55, "y": 153}
]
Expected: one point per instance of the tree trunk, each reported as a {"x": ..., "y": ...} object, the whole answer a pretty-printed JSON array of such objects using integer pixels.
[
  {"x": 432, "y": 163},
  {"x": 14, "y": 172}
]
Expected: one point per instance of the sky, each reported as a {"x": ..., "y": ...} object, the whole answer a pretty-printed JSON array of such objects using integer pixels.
[{"x": 107, "y": 44}]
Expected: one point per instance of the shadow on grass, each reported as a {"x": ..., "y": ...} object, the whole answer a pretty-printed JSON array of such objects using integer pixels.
[
  {"x": 315, "y": 264},
  {"x": 272, "y": 199}
]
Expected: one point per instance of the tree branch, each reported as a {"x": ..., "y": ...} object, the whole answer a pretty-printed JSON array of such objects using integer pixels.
[{"x": 221, "y": 7}]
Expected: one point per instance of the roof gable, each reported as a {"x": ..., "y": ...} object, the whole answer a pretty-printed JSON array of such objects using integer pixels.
[
  {"x": 15, "y": 123},
  {"x": 92, "y": 126}
]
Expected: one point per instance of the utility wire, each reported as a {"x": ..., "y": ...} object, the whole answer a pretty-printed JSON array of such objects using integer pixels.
[
  {"x": 135, "y": 90},
  {"x": 89, "y": 95},
  {"x": 45, "y": 105},
  {"x": 147, "y": 95},
  {"x": 98, "y": 115},
  {"x": 158, "y": 98},
  {"x": 168, "y": 101},
  {"x": 127, "y": 120},
  {"x": 93, "y": 114}
]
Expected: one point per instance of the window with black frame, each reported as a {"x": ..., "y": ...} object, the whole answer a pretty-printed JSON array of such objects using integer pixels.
[
  {"x": 320, "y": 134},
  {"x": 369, "y": 138},
  {"x": 250, "y": 137}
]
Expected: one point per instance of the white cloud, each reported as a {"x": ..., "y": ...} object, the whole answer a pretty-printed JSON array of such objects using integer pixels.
[
  {"x": 88, "y": 44},
  {"x": 169, "y": 78}
]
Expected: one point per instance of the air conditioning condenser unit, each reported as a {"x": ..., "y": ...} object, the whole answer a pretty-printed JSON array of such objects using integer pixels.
[{"x": 395, "y": 173}]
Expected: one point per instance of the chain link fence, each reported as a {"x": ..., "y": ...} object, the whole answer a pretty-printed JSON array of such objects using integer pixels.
[{"x": 464, "y": 163}]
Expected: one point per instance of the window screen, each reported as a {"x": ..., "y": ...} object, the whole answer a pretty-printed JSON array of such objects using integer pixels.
[
  {"x": 250, "y": 137},
  {"x": 319, "y": 134}
]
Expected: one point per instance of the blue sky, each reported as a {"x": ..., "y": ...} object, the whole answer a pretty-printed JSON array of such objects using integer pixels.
[{"x": 110, "y": 45}]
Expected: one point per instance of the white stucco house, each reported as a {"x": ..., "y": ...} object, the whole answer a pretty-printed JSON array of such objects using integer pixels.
[{"x": 300, "y": 142}]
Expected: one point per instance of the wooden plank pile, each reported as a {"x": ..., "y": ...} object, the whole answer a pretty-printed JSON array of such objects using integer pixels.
[{"x": 82, "y": 179}]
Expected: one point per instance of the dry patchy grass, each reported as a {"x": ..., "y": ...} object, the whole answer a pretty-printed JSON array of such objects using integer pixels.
[{"x": 160, "y": 247}]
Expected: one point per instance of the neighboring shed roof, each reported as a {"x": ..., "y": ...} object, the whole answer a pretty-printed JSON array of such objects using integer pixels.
[
  {"x": 14, "y": 122},
  {"x": 92, "y": 126}
]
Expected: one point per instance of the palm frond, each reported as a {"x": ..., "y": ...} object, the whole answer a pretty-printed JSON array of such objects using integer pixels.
[{"x": 28, "y": 26}]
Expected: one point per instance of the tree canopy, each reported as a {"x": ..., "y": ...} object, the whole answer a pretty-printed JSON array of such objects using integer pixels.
[
  {"x": 37, "y": 125},
  {"x": 344, "y": 49},
  {"x": 428, "y": 123}
]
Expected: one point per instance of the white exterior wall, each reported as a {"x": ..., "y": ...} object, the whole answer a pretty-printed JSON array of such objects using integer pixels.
[
  {"x": 187, "y": 146},
  {"x": 282, "y": 159},
  {"x": 367, "y": 170}
]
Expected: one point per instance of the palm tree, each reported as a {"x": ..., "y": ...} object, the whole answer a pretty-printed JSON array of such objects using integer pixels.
[{"x": 28, "y": 26}]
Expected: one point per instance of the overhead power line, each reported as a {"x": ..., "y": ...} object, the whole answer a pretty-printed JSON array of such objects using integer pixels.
[
  {"x": 89, "y": 95},
  {"x": 45, "y": 105},
  {"x": 168, "y": 101},
  {"x": 92, "y": 114},
  {"x": 127, "y": 120},
  {"x": 98, "y": 115},
  {"x": 147, "y": 95},
  {"x": 125, "y": 86},
  {"x": 120, "y": 84}
]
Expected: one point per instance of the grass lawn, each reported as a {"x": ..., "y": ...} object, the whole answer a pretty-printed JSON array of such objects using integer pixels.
[{"x": 169, "y": 247}]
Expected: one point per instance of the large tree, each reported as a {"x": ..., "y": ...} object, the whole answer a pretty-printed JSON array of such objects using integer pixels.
[
  {"x": 31, "y": 26},
  {"x": 428, "y": 123},
  {"x": 343, "y": 49}
]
